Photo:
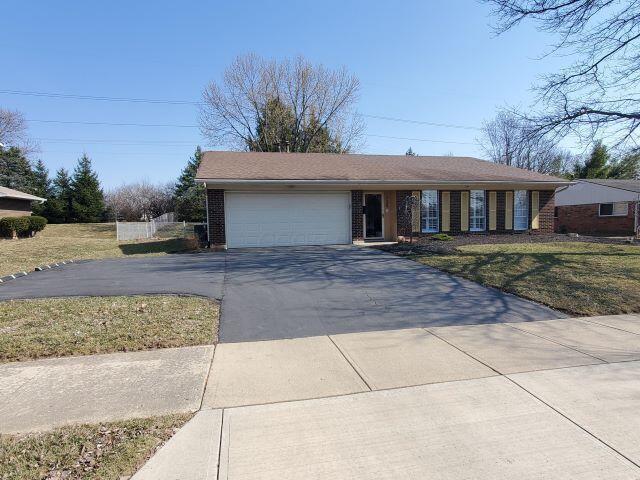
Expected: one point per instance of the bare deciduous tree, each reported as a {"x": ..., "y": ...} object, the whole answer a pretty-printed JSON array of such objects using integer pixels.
[
  {"x": 13, "y": 132},
  {"x": 258, "y": 99},
  {"x": 139, "y": 201},
  {"x": 507, "y": 140},
  {"x": 599, "y": 92}
]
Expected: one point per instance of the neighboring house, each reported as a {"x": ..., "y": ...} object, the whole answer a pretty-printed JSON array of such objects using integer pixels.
[
  {"x": 268, "y": 199},
  {"x": 14, "y": 203},
  {"x": 598, "y": 207}
]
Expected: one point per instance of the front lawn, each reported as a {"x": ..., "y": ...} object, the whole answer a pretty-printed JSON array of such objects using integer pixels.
[
  {"x": 86, "y": 325},
  {"x": 105, "y": 451},
  {"x": 576, "y": 277},
  {"x": 78, "y": 241}
]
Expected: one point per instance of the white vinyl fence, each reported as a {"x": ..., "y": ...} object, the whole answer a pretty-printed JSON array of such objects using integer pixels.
[{"x": 159, "y": 227}]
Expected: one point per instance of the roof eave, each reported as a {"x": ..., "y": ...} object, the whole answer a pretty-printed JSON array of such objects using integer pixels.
[
  {"x": 26, "y": 199},
  {"x": 227, "y": 181}
]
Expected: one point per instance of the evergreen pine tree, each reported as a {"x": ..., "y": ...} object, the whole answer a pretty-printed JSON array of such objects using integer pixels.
[
  {"x": 60, "y": 202},
  {"x": 597, "y": 166},
  {"x": 411, "y": 153},
  {"x": 42, "y": 188},
  {"x": 628, "y": 167},
  {"x": 189, "y": 196},
  {"x": 87, "y": 199},
  {"x": 15, "y": 170}
]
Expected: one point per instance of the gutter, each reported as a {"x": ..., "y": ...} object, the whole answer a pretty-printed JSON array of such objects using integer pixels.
[
  {"x": 219, "y": 181},
  {"x": 34, "y": 199}
]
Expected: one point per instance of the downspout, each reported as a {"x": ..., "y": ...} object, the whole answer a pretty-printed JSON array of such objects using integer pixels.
[{"x": 206, "y": 207}]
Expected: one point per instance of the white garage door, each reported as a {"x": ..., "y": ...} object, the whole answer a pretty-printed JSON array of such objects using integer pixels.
[{"x": 278, "y": 219}]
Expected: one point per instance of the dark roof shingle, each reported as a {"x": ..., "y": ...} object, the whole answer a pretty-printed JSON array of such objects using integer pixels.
[{"x": 351, "y": 167}]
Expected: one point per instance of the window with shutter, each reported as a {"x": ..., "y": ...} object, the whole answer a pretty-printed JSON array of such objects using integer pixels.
[{"x": 429, "y": 211}]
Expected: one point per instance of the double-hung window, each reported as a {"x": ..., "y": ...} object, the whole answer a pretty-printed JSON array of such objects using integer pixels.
[
  {"x": 477, "y": 207},
  {"x": 429, "y": 220},
  {"x": 617, "y": 209},
  {"x": 520, "y": 210}
]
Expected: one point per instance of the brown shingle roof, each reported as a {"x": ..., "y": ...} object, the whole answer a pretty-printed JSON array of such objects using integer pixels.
[{"x": 322, "y": 166}]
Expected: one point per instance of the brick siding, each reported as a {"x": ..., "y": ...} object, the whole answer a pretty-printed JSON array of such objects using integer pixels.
[
  {"x": 357, "y": 230},
  {"x": 454, "y": 209},
  {"x": 545, "y": 212},
  {"x": 215, "y": 214},
  {"x": 501, "y": 202},
  {"x": 585, "y": 219},
  {"x": 403, "y": 217}
]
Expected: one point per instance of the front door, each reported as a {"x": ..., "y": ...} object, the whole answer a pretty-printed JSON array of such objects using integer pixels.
[{"x": 373, "y": 215}]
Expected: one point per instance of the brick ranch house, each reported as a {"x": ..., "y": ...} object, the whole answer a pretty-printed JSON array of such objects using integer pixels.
[
  {"x": 14, "y": 203},
  {"x": 257, "y": 199},
  {"x": 598, "y": 207}
]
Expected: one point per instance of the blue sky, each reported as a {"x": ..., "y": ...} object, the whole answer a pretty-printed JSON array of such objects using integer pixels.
[{"x": 428, "y": 61}]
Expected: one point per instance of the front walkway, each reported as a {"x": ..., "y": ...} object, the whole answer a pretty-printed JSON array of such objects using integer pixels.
[{"x": 43, "y": 394}]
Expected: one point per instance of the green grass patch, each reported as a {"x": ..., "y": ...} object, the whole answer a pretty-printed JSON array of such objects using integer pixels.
[
  {"x": 576, "y": 277},
  {"x": 55, "y": 327},
  {"x": 102, "y": 451},
  {"x": 442, "y": 237},
  {"x": 79, "y": 241}
]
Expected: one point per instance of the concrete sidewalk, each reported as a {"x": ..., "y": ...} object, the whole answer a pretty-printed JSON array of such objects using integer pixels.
[
  {"x": 488, "y": 428},
  {"x": 469, "y": 413},
  {"x": 254, "y": 373},
  {"x": 43, "y": 394}
]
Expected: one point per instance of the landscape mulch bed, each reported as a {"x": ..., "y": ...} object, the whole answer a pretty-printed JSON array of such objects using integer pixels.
[{"x": 424, "y": 245}]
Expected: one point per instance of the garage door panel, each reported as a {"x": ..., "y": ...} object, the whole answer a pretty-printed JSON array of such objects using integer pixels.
[{"x": 281, "y": 219}]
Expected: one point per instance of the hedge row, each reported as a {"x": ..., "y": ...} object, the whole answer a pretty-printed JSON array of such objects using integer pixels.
[{"x": 21, "y": 226}]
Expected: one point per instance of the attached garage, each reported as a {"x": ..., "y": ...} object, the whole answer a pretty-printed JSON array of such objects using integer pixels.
[{"x": 268, "y": 219}]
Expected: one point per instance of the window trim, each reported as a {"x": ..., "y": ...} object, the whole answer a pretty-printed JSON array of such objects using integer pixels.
[
  {"x": 515, "y": 203},
  {"x": 427, "y": 230},
  {"x": 484, "y": 211},
  {"x": 613, "y": 209}
]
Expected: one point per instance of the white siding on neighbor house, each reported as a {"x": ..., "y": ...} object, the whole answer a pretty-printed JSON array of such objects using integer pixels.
[
  {"x": 586, "y": 193},
  {"x": 266, "y": 219}
]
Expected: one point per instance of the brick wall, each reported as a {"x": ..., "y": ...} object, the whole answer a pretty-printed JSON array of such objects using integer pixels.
[
  {"x": 357, "y": 231},
  {"x": 501, "y": 200},
  {"x": 403, "y": 217},
  {"x": 584, "y": 219},
  {"x": 13, "y": 207},
  {"x": 454, "y": 208},
  {"x": 215, "y": 214},
  {"x": 545, "y": 214}
]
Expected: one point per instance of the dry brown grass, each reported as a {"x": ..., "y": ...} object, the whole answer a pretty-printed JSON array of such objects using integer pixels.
[
  {"x": 104, "y": 451},
  {"x": 576, "y": 277},
  {"x": 53, "y": 327}
]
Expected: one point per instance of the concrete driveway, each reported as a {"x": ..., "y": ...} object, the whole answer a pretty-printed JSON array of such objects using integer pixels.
[{"x": 270, "y": 294}]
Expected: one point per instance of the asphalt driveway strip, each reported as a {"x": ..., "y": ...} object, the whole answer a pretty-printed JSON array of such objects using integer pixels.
[
  {"x": 186, "y": 273},
  {"x": 299, "y": 292},
  {"x": 277, "y": 293}
]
